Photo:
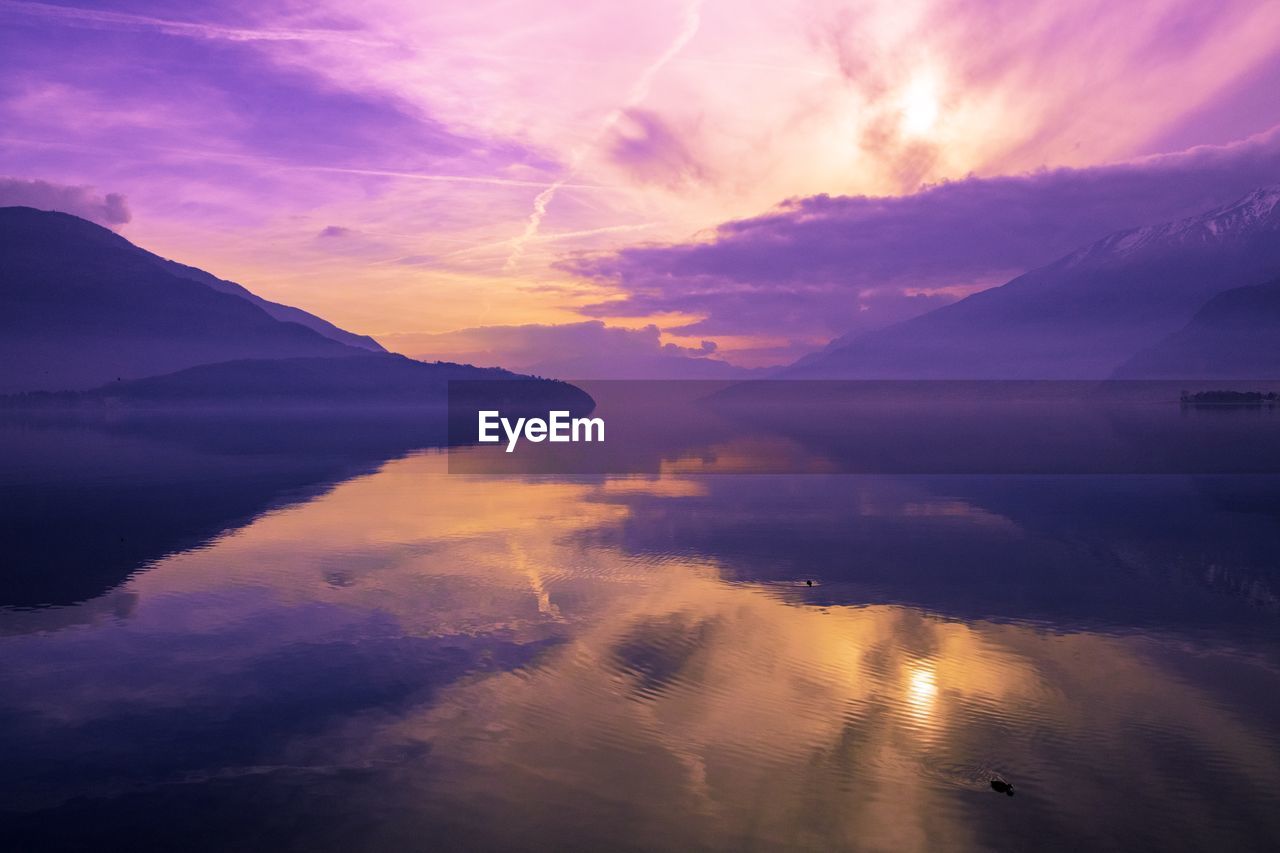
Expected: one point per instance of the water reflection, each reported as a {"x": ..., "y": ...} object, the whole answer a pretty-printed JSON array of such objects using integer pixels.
[
  {"x": 412, "y": 659},
  {"x": 86, "y": 500}
]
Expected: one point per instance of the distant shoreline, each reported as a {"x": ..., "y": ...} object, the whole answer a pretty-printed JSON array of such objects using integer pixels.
[{"x": 1230, "y": 398}]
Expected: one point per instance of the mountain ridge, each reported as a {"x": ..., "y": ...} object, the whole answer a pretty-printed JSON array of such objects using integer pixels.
[
  {"x": 283, "y": 313},
  {"x": 1080, "y": 316},
  {"x": 80, "y": 305},
  {"x": 362, "y": 381},
  {"x": 1235, "y": 335}
]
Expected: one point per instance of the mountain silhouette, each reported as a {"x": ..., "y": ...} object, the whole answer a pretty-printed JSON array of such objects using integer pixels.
[
  {"x": 363, "y": 380},
  {"x": 1081, "y": 316},
  {"x": 1236, "y": 335},
  {"x": 81, "y": 306},
  {"x": 283, "y": 313}
]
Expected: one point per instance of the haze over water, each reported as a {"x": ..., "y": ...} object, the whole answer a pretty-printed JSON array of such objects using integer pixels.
[{"x": 351, "y": 648}]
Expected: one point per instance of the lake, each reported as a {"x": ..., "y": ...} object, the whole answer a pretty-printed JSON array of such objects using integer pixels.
[{"x": 730, "y": 634}]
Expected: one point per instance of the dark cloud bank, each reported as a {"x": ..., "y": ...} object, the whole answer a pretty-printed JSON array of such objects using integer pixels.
[{"x": 823, "y": 266}]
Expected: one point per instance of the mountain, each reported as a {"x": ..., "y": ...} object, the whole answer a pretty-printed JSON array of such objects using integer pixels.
[
  {"x": 1236, "y": 335},
  {"x": 81, "y": 306},
  {"x": 283, "y": 313},
  {"x": 1080, "y": 316},
  {"x": 360, "y": 381}
]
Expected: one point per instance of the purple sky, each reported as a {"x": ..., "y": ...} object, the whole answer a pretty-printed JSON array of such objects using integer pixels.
[{"x": 522, "y": 179}]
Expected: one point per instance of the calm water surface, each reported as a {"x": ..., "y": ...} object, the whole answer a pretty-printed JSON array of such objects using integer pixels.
[{"x": 332, "y": 650}]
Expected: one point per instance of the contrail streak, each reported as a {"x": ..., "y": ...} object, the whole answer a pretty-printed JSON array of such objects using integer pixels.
[
  {"x": 461, "y": 179},
  {"x": 639, "y": 91},
  {"x": 559, "y": 235}
]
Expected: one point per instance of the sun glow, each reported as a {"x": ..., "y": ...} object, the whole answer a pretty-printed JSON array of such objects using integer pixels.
[
  {"x": 922, "y": 691},
  {"x": 920, "y": 107}
]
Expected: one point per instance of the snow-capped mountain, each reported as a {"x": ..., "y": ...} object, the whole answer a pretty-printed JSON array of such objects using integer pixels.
[
  {"x": 1083, "y": 315},
  {"x": 1256, "y": 213}
]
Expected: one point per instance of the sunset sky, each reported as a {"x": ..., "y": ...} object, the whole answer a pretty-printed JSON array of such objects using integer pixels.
[{"x": 507, "y": 181}]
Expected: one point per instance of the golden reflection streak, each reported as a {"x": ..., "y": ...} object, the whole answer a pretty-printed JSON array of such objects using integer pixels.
[{"x": 760, "y": 712}]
